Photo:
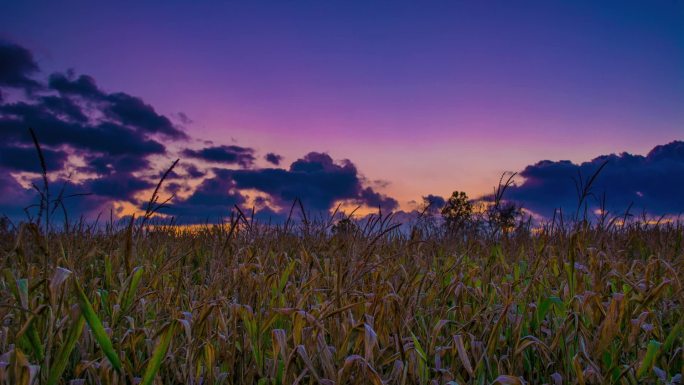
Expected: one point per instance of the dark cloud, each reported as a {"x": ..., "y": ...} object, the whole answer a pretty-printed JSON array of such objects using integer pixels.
[
  {"x": 16, "y": 67},
  {"x": 115, "y": 134},
  {"x": 54, "y": 130},
  {"x": 174, "y": 187},
  {"x": 111, "y": 139},
  {"x": 315, "y": 179},
  {"x": 120, "y": 107},
  {"x": 653, "y": 183},
  {"x": 434, "y": 203},
  {"x": 108, "y": 165},
  {"x": 83, "y": 86},
  {"x": 64, "y": 108},
  {"x": 375, "y": 199},
  {"x": 118, "y": 186},
  {"x": 14, "y": 158},
  {"x": 273, "y": 158},
  {"x": 213, "y": 199},
  {"x": 242, "y": 156},
  {"x": 193, "y": 171},
  {"x": 132, "y": 111},
  {"x": 111, "y": 132}
]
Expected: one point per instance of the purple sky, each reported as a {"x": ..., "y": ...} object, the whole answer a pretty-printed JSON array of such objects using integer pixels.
[{"x": 428, "y": 96}]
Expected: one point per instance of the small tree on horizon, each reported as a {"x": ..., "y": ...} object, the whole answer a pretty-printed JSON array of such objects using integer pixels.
[
  {"x": 504, "y": 216},
  {"x": 345, "y": 227},
  {"x": 457, "y": 211}
]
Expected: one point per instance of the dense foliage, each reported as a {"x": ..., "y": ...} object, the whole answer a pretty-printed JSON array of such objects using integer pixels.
[{"x": 366, "y": 304}]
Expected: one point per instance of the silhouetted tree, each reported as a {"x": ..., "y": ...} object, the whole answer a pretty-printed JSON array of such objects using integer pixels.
[
  {"x": 503, "y": 215},
  {"x": 345, "y": 227},
  {"x": 458, "y": 211}
]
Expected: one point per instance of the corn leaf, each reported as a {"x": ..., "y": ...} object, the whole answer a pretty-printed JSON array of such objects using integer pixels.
[
  {"x": 62, "y": 357},
  {"x": 158, "y": 355},
  {"x": 96, "y": 326}
]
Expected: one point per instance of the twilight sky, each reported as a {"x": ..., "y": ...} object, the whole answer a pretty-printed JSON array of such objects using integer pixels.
[{"x": 421, "y": 97}]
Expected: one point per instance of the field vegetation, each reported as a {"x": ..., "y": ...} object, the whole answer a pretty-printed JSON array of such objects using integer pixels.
[
  {"x": 346, "y": 303},
  {"x": 479, "y": 297}
]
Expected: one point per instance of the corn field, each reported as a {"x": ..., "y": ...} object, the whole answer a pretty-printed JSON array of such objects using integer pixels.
[{"x": 250, "y": 304}]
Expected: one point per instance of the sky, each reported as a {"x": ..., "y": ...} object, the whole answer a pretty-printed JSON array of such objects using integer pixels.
[{"x": 420, "y": 97}]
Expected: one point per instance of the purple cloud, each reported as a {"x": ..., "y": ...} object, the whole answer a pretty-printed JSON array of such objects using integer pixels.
[
  {"x": 116, "y": 136},
  {"x": 242, "y": 156},
  {"x": 273, "y": 158},
  {"x": 16, "y": 158},
  {"x": 212, "y": 200},
  {"x": 17, "y": 66},
  {"x": 120, "y": 107},
  {"x": 315, "y": 179},
  {"x": 653, "y": 183}
]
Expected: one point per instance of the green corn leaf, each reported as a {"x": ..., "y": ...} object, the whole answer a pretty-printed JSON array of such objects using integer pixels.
[
  {"x": 419, "y": 348},
  {"x": 129, "y": 294},
  {"x": 21, "y": 293},
  {"x": 672, "y": 337},
  {"x": 62, "y": 357},
  {"x": 22, "y": 290},
  {"x": 35, "y": 341},
  {"x": 649, "y": 358},
  {"x": 104, "y": 301},
  {"x": 494, "y": 334},
  {"x": 29, "y": 338},
  {"x": 96, "y": 326},
  {"x": 158, "y": 355}
]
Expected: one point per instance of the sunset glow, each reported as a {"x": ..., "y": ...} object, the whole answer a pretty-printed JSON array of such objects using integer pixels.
[{"x": 421, "y": 99}]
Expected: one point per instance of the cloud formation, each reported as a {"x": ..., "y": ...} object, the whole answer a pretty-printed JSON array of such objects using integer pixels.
[
  {"x": 434, "y": 202},
  {"x": 18, "y": 159},
  {"x": 212, "y": 200},
  {"x": 115, "y": 143},
  {"x": 17, "y": 66},
  {"x": 106, "y": 139},
  {"x": 112, "y": 141},
  {"x": 128, "y": 110},
  {"x": 316, "y": 180},
  {"x": 374, "y": 199},
  {"x": 273, "y": 158},
  {"x": 653, "y": 183},
  {"x": 241, "y": 156}
]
